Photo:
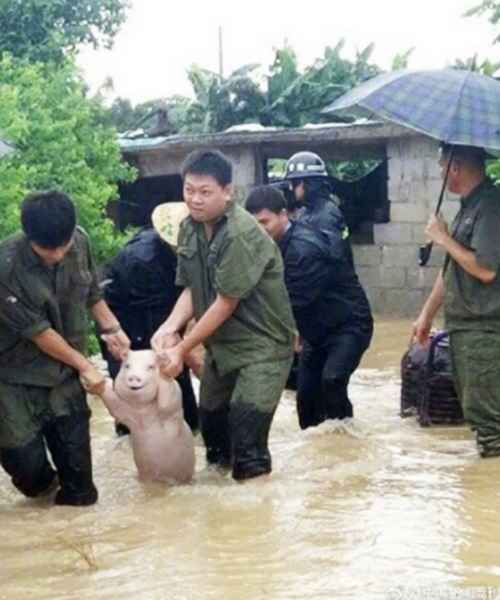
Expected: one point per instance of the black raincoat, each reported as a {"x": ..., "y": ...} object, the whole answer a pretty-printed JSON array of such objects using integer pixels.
[
  {"x": 141, "y": 292},
  {"x": 333, "y": 317}
]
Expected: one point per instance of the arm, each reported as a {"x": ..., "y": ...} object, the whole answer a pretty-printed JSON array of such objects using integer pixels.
[
  {"x": 167, "y": 334},
  {"x": 422, "y": 326},
  {"x": 437, "y": 231},
  {"x": 118, "y": 409},
  {"x": 222, "y": 308},
  {"x": 53, "y": 344},
  {"x": 114, "y": 336}
]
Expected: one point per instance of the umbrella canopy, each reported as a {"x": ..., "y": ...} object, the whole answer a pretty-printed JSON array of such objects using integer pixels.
[
  {"x": 451, "y": 105},
  {"x": 5, "y": 148}
]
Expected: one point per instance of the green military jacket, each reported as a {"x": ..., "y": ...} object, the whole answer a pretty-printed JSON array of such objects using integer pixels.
[
  {"x": 240, "y": 261},
  {"x": 470, "y": 304},
  {"x": 33, "y": 298}
]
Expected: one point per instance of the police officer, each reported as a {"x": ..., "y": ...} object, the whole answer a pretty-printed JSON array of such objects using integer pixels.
[
  {"x": 317, "y": 206},
  {"x": 329, "y": 305}
]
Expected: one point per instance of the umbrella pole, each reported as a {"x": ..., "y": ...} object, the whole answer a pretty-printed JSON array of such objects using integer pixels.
[{"x": 424, "y": 252}]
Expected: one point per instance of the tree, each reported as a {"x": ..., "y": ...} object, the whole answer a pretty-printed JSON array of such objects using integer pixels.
[
  {"x": 46, "y": 29},
  {"x": 60, "y": 144},
  {"x": 489, "y": 7},
  {"x": 294, "y": 98}
]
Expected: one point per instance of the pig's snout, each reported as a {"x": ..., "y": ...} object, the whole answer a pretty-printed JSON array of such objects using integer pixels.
[{"x": 135, "y": 381}]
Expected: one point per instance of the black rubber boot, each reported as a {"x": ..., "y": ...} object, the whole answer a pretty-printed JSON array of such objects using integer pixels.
[
  {"x": 337, "y": 403},
  {"x": 250, "y": 432},
  {"x": 29, "y": 468},
  {"x": 215, "y": 431},
  {"x": 68, "y": 440}
]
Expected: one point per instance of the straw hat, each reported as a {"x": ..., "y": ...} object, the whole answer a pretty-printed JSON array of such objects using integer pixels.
[{"x": 167, "y": 218}]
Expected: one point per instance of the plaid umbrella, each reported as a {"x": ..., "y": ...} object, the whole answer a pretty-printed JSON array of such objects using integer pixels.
[
  {"x": 451, "y": 105},
  {"x": 454, "y": 106}
]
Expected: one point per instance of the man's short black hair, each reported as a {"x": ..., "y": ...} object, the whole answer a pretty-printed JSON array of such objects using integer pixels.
[
  {"x": 467, "y": 154},
  {"x": 265, "y": 197},
  {"x": 48, "y": 218},
  {"x": 208, "y": 162}
]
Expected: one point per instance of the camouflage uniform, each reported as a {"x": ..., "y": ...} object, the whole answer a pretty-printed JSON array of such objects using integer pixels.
[
  {"x": 249, "y": 356},
  {"x": 472, "y": 316},
  {"x": 41, "y": 399}
]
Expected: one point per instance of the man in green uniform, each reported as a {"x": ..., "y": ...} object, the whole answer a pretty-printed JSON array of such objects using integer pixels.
[
  {"x": 469, "y": 289},
  {"x": 232, "y": 273},
  {"x": 47, "y": 283}
]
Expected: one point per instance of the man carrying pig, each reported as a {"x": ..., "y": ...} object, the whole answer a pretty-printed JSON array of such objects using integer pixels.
[
  {"x": 232, "y": 273},
  {"x": 47, "y": 284}
]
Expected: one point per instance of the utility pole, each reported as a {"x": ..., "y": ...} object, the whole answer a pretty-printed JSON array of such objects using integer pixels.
[{"x": 221, "y": 54}]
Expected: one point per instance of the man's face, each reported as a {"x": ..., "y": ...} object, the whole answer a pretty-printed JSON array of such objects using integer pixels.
[
  {"x": 205, "y": 198},
  {"x": 298, "y": 189},
  {"x": 51, "y": 256},
  {"x": 452, "y": 183},
  {"x": 274, "y": 224}
]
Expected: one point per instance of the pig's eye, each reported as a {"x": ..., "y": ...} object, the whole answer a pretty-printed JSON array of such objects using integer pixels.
[
  {"x": 151, "y": 367},
  {"x": 126, "y": 366}
]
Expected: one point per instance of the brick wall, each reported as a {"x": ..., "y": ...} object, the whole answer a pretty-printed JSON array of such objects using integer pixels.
[{"x": 389, "y": 271}]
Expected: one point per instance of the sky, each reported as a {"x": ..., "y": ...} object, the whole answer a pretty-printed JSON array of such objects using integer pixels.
[{"x": 161, "y": 39}]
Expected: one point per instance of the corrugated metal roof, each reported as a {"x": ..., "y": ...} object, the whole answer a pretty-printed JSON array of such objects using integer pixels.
[{"x": 359, "y": 130}]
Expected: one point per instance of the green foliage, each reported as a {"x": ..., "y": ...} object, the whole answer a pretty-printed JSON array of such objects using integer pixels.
[
  {"x": 45, "y": 29},
  {"x": 401, "y": 60},
  {"x": 486, "y": 67},
  {"x": 60, "y": 144},
  {"x": 493, "y": 170},
  {"x": 286, "y": 97},
  {"x": 294, "y": 99},
  {"x": 489, "y": 7}
]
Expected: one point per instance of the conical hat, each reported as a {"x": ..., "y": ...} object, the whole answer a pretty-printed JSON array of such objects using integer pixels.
[{"x": 167, "y": 218}]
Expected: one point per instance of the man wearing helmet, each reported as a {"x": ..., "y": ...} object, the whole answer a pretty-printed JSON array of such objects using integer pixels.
[
  {"x": 306, "y": 172},
  {"x": 329, "y": 304}
]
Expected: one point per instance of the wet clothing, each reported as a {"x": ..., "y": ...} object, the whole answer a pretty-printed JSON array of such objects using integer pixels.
[
  {"x": 476, "y": 360},
  {"x": 68, "y": 441},
  {"x": 141, "y": 292},
  {"x": 472, "y": 316},
  {"x": 322, "y": 212},
  {"x": 34, "y": 298},
  {"x": 470, "y": 304},
  {"x": 236, "y": 412},
  {"x": 333, "y": 317},
  {"x": 41, "y": 399},
  {"x": 251, "y": 347},
  {"x": 240, "y": 261}
]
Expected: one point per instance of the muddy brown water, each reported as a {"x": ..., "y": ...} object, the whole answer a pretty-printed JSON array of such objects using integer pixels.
[{"x": 386, "y": 510}]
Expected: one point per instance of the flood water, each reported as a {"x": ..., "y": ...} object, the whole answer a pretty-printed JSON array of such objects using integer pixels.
[{"x": 387, "y": 510}]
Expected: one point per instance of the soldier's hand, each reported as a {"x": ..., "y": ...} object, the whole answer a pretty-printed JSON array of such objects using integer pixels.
[
  {"x": 171, "y": 361},
  {"x": 163, "y": 339},
  {"x": 92, "y": 380},
  {"x": 437, "y": 230},
  {"x": 118, "y": 343},
  {"x": 421, "y": 330}
]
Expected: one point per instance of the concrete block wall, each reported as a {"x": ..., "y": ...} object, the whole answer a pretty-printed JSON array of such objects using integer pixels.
[{"x": 388, "y": 269}]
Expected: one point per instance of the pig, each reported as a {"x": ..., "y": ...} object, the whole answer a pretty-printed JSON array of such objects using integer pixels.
[{"x": 150, "y": 405}]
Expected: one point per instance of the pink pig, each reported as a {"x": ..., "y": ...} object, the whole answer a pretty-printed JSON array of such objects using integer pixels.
[{"x": 151, "y": 407}]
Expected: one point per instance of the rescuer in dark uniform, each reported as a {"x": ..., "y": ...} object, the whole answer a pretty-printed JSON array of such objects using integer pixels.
[{"x": 330, "y": 307}]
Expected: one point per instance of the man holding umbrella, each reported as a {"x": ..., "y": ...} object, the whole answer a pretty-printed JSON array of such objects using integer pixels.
[
  {"x": 469, "y": 290},
  {"x": 459, "y": 108}
]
